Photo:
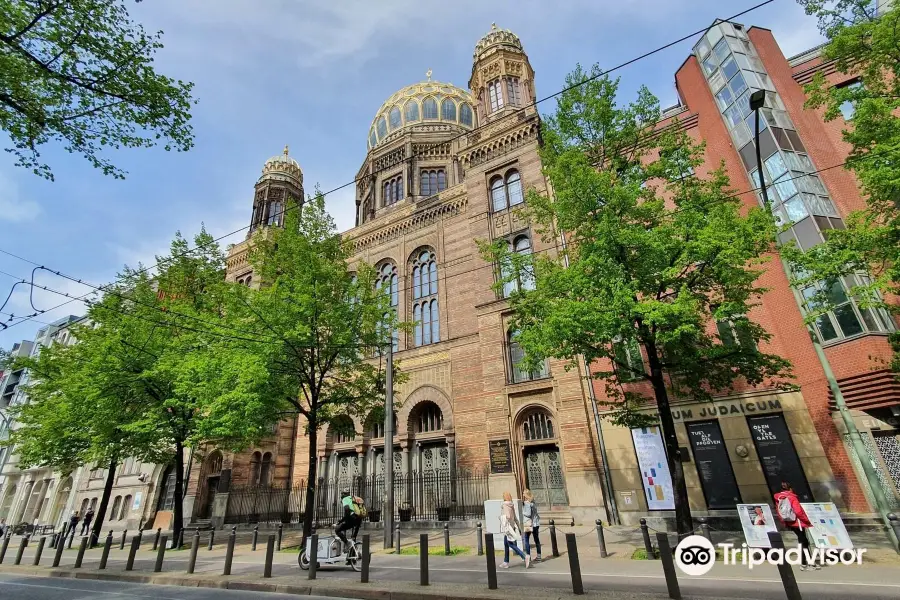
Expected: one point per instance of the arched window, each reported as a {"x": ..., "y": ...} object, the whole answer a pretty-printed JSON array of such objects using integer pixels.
[
  {"x": 465, "y": 115},
  {"x": 495, "y": 93},
  {"x": 393, "y": 190},
  {"x": 388, "y": 281},
  {"x": 430, "y": 418},
  {"x": 506, "y": 191},
  {"x": 214, "y": 464},
  {"x": 126, "y": 508},
  {"x": 344, "y": 430},
  {"x": 425, "y": 304},
  {"x": 94, "y": 503},
  {"x": 524, "y": 279},
  {"x": 512, "y": 91},
  {"x": 448, "y": 110},
  {"x": 429, "y": 109},
  {"x": 382, "y": 128},
  {"x": 248, "y": 280},
  {"x": 538, "y": 426},
  {"x": 114, "y": 513},
  {"x": 167, "y": 493},
  {"x": 254, "y": 468},
  {"x": 376, "y": 425},
  {"x": 433, "y": 181},
  {"x": 373, "y": 140},
  {"x": 394, "y": 118},
  {"x": 518, "y": 372},
  {"x": 84, "y": 506},
  {"x": 274, "y": 213},
  {"x": 265, "y": 471},
  {"x": 412, "y": 111}
]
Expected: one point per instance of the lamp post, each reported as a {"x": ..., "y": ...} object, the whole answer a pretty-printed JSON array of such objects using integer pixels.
[
  {"x": 7, "y": 426},
  {"x": 757, "y": 101}
]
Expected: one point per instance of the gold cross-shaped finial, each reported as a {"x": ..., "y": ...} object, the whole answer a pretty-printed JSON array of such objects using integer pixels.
[
  {"x": 493, "y": 27},
  {"x": 285, "y": 150},
  {"x": 428, "y": 74}
]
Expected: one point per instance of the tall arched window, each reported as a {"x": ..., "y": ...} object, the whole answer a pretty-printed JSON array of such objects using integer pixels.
[
  {"x": 388, "y": 281},
  {"x": 512, "y": 91},
  {"x": 518, "y": 372},
  {"x": 538, "y": 426},
  {"x": 430, "y": 418},
  {"x": 373, "y": 141},
  {"x": 265, "y": 470},
  {"x": 382, "y": 128},
  {"x": 495, "y": 93},
  {"x": 524, "y": 278},
  {"x": 394, "y": 118},
  {"x": 114, "y": 513},
  {"x": 448, "y": 110},
  {"x": 465, "y": 115},
  {"x": 344, "y": 430},
  {"x": 393, "y": 190},
  {"x": 255, "y": 461},
  {"x": 126, "y": 508},
  {"x": 412, "y": 111},
  {"x": 275, "y": 211},
  {"x": 167, "y": 493},
  {"x": 433, "y": 181},
  {"x": 376, "y": 425},
  {"x": 429, "y": 109},
  {"x": 506, "y": 191},
  {"x": 425, "y": 303}
]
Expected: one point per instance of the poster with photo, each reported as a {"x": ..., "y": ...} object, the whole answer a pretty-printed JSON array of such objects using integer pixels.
[
  {"x": 756, "y": 521},
  {"x": 651, "y": 455},
  {"x": 828, "y": 530}
]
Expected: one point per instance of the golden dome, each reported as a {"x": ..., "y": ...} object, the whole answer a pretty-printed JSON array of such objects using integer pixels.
[
  {"x": 422, "y": 105},
  {"x": 282, "y": 167},
  {"x": 497, "y": 37}
]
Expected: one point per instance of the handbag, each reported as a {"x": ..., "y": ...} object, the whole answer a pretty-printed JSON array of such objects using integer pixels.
[{"x": 527, "y": 525}]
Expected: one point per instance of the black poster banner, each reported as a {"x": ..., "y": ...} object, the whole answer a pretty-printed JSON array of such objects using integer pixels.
[
  {"x": 777, "y": 454},
  {"x": 716, "y": 475},
  {"x": 501, "y": 457}
]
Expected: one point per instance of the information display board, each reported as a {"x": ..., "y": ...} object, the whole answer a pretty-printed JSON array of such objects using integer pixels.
[
  {"x": 655, "y": 475},
  {"x": 828, "y": 530},
  {"x": 716, "y": 475},
  {"x": 777, "y": 454},
  {"x": 501, "y": 457},
  {"x": 757, "y": 521}
]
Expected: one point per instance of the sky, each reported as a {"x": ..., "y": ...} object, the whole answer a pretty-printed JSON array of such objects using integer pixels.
[{"x": 310, "y": 74}]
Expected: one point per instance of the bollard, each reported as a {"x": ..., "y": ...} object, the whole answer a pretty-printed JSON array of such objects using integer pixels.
[
  {"x": 195, "y": 545},
  {"x": 313, "y": 554},
  {"x": 553, "y": 545},
  {"x": 600, "y": 539},
  {"x": 140, "y": 537},
  {"x": 704, "y": 527},
  {"x": 81, "y": 549},
  {"x": 229, "y": 551},
  {"x": 71, "y": 538},
  {"x": 397, "y": 537},
  {"x": 895, "y": 524},
  {"x": 122, "y": 543},
  {"x": 39, "y": 551},
  {"x": 280, "y": 535},
  {"x": 180, "y": 543},
  {"x": 364, "y": 574},
  {"x": 668, "y": 563},
  {"x": 446, "y": 539},
  {"x": 106, "y": 546},
  {"x": 5, "y": 546},
  {"x": 255, "y": 537},
  {"x": 423, "y": 559},
  {"x": 156, "y": 539},
  {"x": 479, "y": 537},
  {"x": 784, "y": 569},
  {"x": 491, "y": 562},
  {"x": 21, "y": 551},
  {"x": 212, "y": 539},
  {"x": 574, "y": 565},
  {"x": 160, "y": 554},
  {"x": 270, "y": 555},
  {"x": 645, "y": 532},
  {"x": 135, "y": 544},
  {"x": 57, "y": 556}
]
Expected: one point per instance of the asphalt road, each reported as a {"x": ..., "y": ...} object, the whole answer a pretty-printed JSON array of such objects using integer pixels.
[{"x": 54, "y": 588}]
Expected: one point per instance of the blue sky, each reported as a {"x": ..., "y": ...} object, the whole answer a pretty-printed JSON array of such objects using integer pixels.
[{"x": 311, "y": 74}]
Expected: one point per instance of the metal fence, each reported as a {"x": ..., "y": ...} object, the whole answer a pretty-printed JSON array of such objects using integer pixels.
[{"x": 440, "y": 496}]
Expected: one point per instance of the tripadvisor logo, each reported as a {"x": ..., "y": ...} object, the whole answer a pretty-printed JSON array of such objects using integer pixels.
[{"x": 695, "y": 555}]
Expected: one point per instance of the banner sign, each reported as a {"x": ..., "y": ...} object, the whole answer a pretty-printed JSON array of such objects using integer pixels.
[
  {"x": 651, "y": 455},
  {"x": 828, "y": 529}
]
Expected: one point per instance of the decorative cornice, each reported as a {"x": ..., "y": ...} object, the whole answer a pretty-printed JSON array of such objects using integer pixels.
[{"x": 498, "y": 146}]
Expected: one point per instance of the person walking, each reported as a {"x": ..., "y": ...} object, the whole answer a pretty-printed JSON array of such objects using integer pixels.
[
  {"x": 73, "y": 523},
  {"x": 2, "y": 528},
  {"x": 86, "y": 523},
  {"x": 509, "y": 527},
  {"x": 792, "y": 515},
  {"x": 531, "y": 523}
]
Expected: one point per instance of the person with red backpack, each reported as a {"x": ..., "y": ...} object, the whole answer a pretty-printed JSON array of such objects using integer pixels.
[{"x": 792, "y": 515}]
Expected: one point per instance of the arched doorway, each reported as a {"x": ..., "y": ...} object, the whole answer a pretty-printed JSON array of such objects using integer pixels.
[
  {"x": 62, "y": 498},
  {"x": 431, "y": 460},
  {"x": 542, "y": 461},
  {"x": 212, "y": 469},
  {"x": 6, "y": 505}
]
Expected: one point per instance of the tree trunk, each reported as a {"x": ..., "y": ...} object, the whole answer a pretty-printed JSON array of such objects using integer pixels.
[
  {"x": 178, "y": 509},
  {"x": 311, "y": 484},
  {"x": 683, "y": 521},
  {"x": 104, "y": 502}
]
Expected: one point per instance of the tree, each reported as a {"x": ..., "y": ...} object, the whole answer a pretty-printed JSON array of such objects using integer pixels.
[
  {"x": 866, "y": 45},
  {"x": 326, "y": 323},
  {"x": 81, "y": 72},
  {"x": 655, "y": 255}
]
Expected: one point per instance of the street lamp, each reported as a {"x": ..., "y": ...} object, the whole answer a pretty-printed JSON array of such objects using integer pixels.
[{"x": 757, "y": 101}]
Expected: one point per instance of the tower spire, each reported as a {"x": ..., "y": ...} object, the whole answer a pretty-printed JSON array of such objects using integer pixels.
[{"x": 285, "y": 149}]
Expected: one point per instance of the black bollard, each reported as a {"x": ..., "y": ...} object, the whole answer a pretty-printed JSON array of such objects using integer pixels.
[
  {"x": 397, "y": 537},
  {"x": 478, "y": 538},
  {"x": 161, "y": 554},
  {"x": 364, "y": 574},
  {"x": 156, "y": 539},
  {"x": 106, "y": 546},
  {"x": 895, "y": 524},
  {"x": 5, "y": 546},
  {"x": 255, "y": 537},
  {"x": 446, "y": 539},
  {"x": 668, "y": 563},
  {"x": 229, "y": 551},
  {"x": 423, "y": 559},
  {"x": 270, "y": 555},
  {"x": 135, "y": 544},
  {"x": 122, "y": 543},
  {"x": 574, "y": 565},
  {"x": 71, "y": 538},
  {"x": 648, "y": 546},
  {"x": 704, "y": 527},
  {"x": 313, "y": 554},
  {"x": 81, "y": 550},
  {"x": 195, "y": 545},
  {"x": 140, "y": 537},
  {"x": 784, "y": 569},
  {"x": 491, "y": 562},
  {"x": 180, "y": 543},
  {"x": 57, "y": 556},
  {"x": 21, "y": 551},
  {"x": 280, "y": 535},
  {"x": 553, "y": 545},
  {"x": 600, "y": 539},
  {"x": 39, "y": 551},
  {"x": 212, "y": 539}
]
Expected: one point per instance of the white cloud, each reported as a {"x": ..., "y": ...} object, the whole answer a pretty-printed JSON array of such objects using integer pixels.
[{"x": 13, "y": 207}]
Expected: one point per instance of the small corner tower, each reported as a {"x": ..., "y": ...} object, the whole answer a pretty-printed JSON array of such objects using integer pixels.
[
  {"x": 502, "y": 78},
  {"x": 279, "y": 186}
]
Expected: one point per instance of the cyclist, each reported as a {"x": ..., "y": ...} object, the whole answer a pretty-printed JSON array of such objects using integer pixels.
[{"x": 351, "y": 520}]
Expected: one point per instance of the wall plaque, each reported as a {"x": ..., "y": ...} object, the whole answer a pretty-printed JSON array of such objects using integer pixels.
[{"x": 501, "y": 456}]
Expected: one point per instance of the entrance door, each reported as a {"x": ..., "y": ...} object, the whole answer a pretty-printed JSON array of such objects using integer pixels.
[
  {"x": 544, "y": 476},
  {"x": 212, "y": 486}
]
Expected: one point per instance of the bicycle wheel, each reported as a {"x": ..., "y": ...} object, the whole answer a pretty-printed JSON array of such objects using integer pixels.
[
  {"x": 303, "y": 560},
  {"x": 354, "y": 556}
]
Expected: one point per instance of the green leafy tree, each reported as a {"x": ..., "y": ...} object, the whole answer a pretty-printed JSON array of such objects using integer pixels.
[
  {"x": 655, "y": 256},
  {"x": 327, "y": 321},
  {"x": 80, "y": 72},
  {"x": 866, "y": 45}
]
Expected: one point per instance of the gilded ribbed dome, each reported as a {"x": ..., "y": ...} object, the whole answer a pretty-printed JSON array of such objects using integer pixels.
[
  {"x": 282, "y": 166},
  {"x": 419, "y": 106},
  {"x": 497, "y": 37}
]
